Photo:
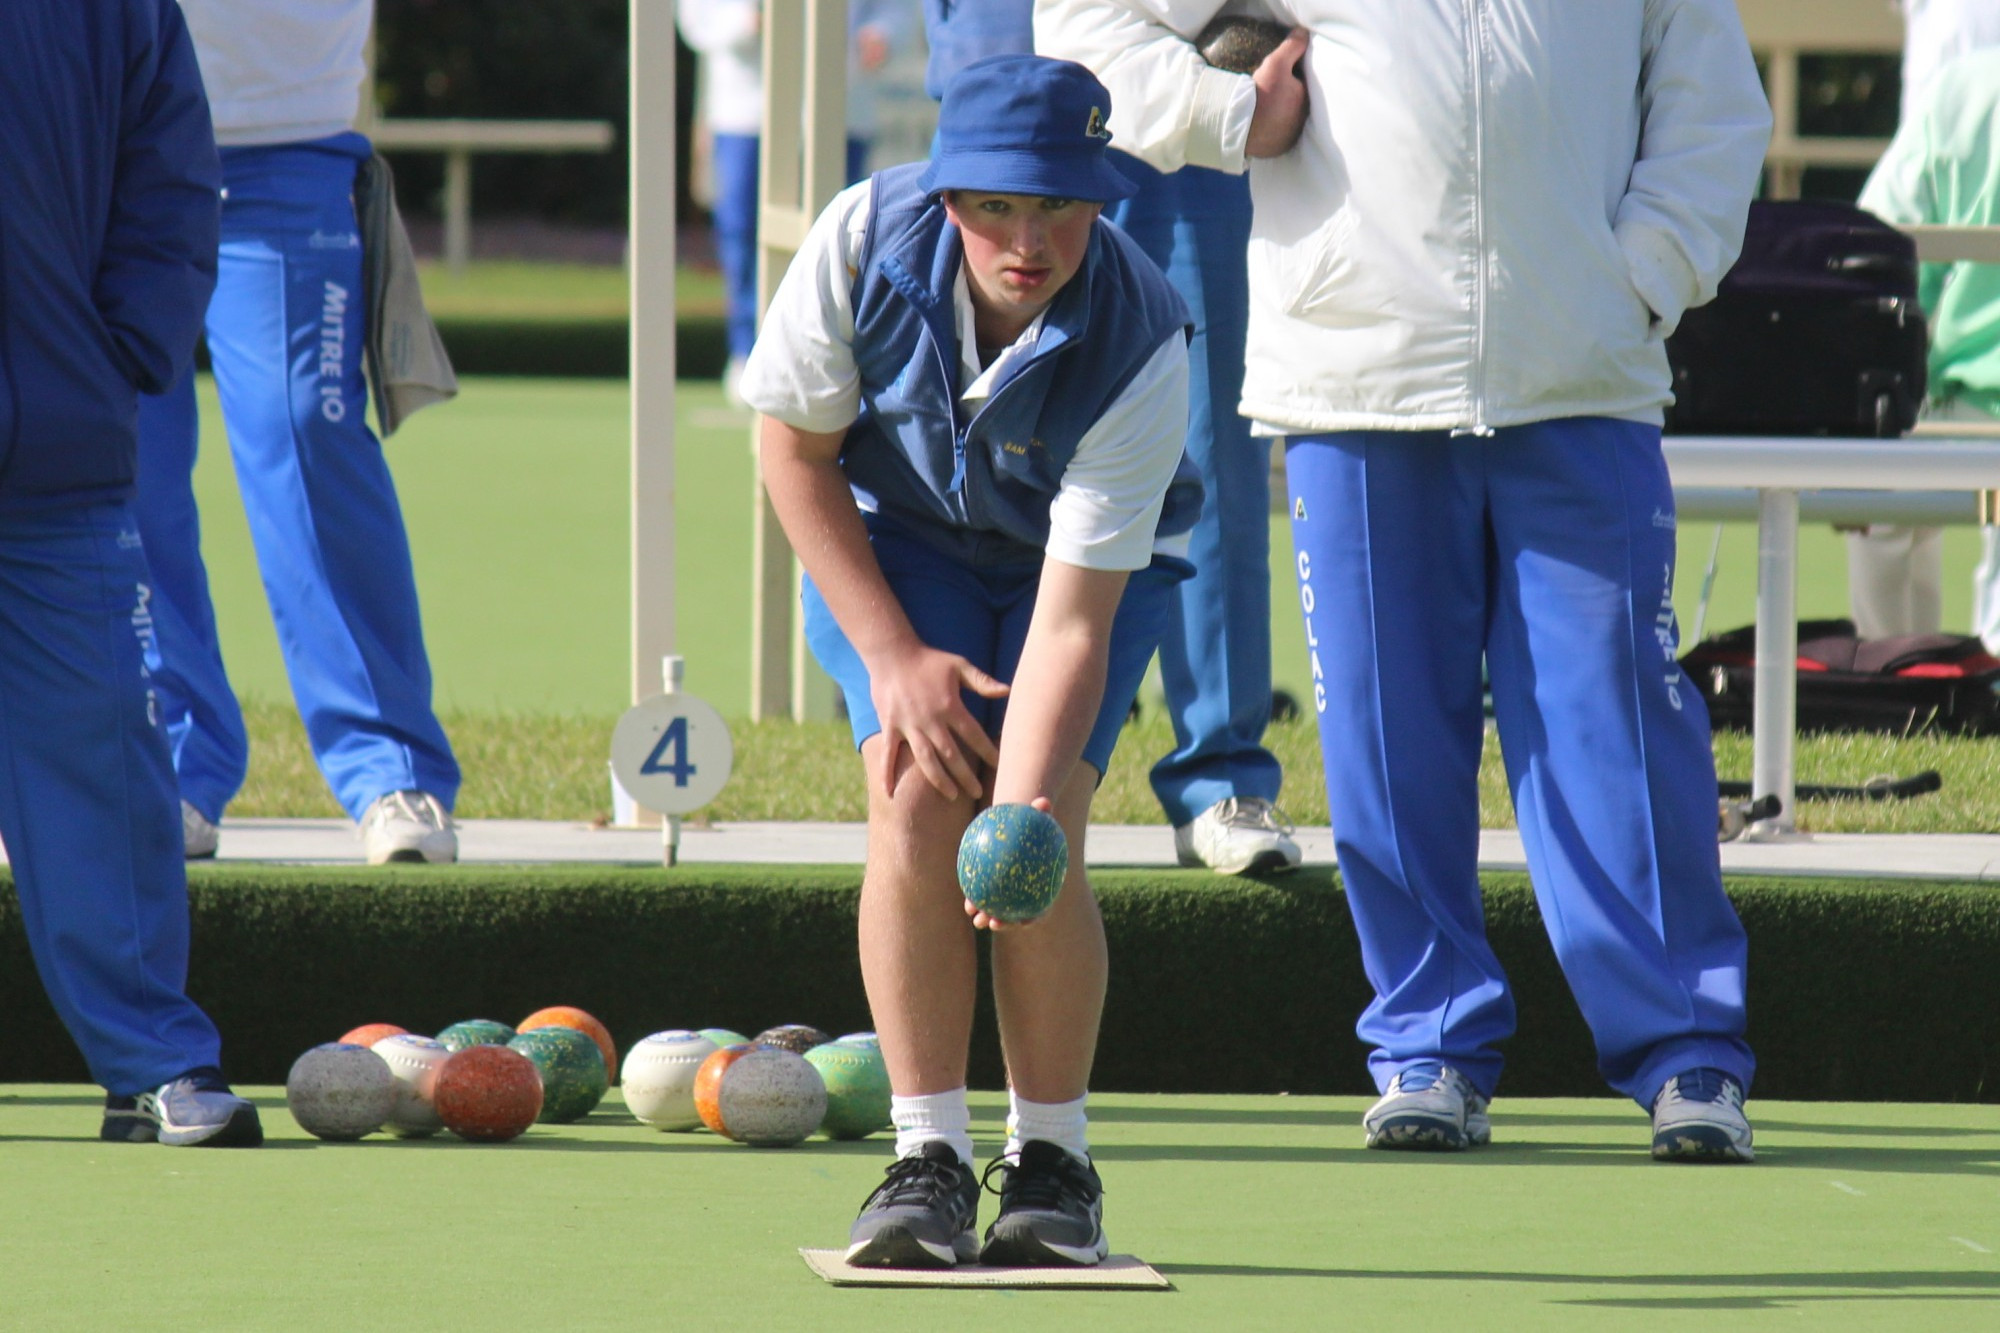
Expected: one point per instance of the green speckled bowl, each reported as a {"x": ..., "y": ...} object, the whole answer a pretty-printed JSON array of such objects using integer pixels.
[
  {"x": 476, "y": 1032},
  {"x": 1011, "y": 862},
  {"x": 572, "y": 1070},
  {"x": 857, "y": 1089}
]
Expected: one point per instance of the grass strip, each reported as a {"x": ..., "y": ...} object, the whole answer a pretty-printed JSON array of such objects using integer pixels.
[{"x": 552, "y": 766}]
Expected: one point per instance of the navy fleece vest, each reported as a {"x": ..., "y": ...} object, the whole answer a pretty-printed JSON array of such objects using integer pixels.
[{"x": 980, "y": 487}]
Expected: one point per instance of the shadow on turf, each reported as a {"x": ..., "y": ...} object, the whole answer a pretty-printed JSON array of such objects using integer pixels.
[
  {"x": 1504, "y": 1116},
  {"x": 1308, "y": 1117},
  {"x": 1862, "y": 1286},
  {"x": 1709, "y": 1304},
  {"x": 1511, "y": 1156}
]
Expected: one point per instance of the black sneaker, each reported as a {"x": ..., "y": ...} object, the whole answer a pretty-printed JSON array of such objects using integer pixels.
[
  {"x": 921, "y": 1216},
  {"x": 1051, "y": 1211},
  {"x": 195, "y": 1110}
]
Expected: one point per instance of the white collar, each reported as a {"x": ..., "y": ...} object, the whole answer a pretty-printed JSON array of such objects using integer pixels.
[{"x": 978, "y": 380}]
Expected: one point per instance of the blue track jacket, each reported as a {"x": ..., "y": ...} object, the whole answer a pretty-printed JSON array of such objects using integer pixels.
[{"x": 109, "y": 207}]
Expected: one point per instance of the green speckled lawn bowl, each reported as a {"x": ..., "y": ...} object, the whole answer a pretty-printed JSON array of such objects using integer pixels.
[{"x": 1011, "y": 862}]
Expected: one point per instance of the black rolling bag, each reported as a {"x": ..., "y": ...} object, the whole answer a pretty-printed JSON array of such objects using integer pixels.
[
  {"x": 1910, "y": 683},
  {"x": 1816, "y": 331}
]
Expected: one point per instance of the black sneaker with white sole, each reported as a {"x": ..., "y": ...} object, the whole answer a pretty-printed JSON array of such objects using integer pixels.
[
  {"x": 1051, "y": 1211},
  {"x": 921, "y": 1216},
  {"x": 196, "y": 1110}
]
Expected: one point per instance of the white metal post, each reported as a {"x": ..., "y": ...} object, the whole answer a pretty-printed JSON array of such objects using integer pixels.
[
  {"x": 670, "y": 825},
  {"x": 457, "y": 209},
  {"x": 1774, "y": 705},
  {"x": 651, "y": 272}
]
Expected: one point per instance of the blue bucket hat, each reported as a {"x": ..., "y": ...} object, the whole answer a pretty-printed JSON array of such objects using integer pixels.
[{"x": 1025, "y": 125}]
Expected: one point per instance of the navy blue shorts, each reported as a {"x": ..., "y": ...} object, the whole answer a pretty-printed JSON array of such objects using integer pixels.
[{"x": 982, "y": 615}]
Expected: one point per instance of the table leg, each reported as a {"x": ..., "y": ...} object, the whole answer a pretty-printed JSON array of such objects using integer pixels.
[{"x": 1774, "y": 708}]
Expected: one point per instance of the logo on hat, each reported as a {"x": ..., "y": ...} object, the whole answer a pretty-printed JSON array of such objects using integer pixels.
[{"x": 1095, "y": 129}]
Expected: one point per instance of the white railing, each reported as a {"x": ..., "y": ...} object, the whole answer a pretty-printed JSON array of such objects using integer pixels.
[{"x": 458, "y": 140}]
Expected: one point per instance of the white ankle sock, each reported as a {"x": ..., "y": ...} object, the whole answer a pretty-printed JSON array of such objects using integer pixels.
[
  {"x": 1060, "y": 1123},
  {"x": 937, "y": 1117}
]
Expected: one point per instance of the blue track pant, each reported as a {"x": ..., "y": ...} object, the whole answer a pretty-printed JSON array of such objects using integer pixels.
[
  {"x": 735, "y": 218},
  {"x": 87, "y": 805},
  {"x": 1549, "y": 550},
  {"x": 285, "y": 334},
  {"x": 1215, "y": 661}
]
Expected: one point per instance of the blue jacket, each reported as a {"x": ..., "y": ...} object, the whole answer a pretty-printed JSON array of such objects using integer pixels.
[
  {"x": 109, "y": 204},
  {"x": 980, "y": 488},
  {"x": 962, "y": 31}
]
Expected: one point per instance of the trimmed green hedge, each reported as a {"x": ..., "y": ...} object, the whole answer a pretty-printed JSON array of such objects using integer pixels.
[
  {"x": 1217, "y": 984},
  {"x": 570, "y": 349}
]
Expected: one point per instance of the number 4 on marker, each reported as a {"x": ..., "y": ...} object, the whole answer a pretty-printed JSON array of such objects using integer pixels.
[{"x": 673, "y": 740}]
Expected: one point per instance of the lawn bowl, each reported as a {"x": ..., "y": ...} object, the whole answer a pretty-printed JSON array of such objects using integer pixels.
[
  {"x": 340, "y": 1091},
  {"x": 476, "y": 1032},
  {"x": 764, "y": 1096},
  {"x": 1011, "y": 862},
  {"x": 857, "y": 1089},
  {"x": 370, "y": 1033},
  {"x": 415, "y": 1062},
  {"x": 569, "y": 1016},
  {"x": 798, "y": 1038},
  {"x": 572, "y": 1070},
  {"x": 658, "y": 1078},
  {"x": 1238, "y": 44},
  {"x": 488, "y": 1094}
]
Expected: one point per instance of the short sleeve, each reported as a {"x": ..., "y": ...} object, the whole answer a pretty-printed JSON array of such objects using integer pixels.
[
  {"x": 802, "y": 369},
  {"x": 1108, "y": 509}
]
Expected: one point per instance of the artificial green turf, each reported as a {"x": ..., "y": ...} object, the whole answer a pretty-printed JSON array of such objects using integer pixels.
[
  {"x": 1264, "y": 1212},
  {"x": 516, "y": 502}
]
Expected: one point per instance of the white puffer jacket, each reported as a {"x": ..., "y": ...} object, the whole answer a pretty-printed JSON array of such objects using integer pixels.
[{"x": 1497, "y": 211}]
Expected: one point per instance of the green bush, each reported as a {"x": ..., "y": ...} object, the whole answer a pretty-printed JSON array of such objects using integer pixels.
[{"x": 1217, "y": 984}]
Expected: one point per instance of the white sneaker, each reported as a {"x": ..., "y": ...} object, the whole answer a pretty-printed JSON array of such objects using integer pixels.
[
  {"x": 199, "y": 838},
  {"x": 408, "y": 826},
  {"x": 1698, "y": 1117},
  {"x": 1240, "y": 836},
  {"x": 1429, "y": 1109}
]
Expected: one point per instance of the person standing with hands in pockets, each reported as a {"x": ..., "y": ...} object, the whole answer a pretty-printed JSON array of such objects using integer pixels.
[{"x": 1474, "y": 224}]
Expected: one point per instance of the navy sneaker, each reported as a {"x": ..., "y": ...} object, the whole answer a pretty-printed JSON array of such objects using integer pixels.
[
  {"x": 1051, "y": 1211},
  {"x": 124, "y": 1122},
  {"x": 1698, "y": 1117},
  {"x": 921, "y": 1216},
  {"x": 195, "y": 1110}
]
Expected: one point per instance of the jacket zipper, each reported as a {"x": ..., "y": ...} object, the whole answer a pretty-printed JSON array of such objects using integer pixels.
[
  {"x": 1479, "y": 275},
  {"x": 964, "y": 491}
]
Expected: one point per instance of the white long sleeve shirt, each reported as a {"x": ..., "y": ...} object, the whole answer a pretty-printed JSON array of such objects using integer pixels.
[{"x": 280, "y": 71}]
